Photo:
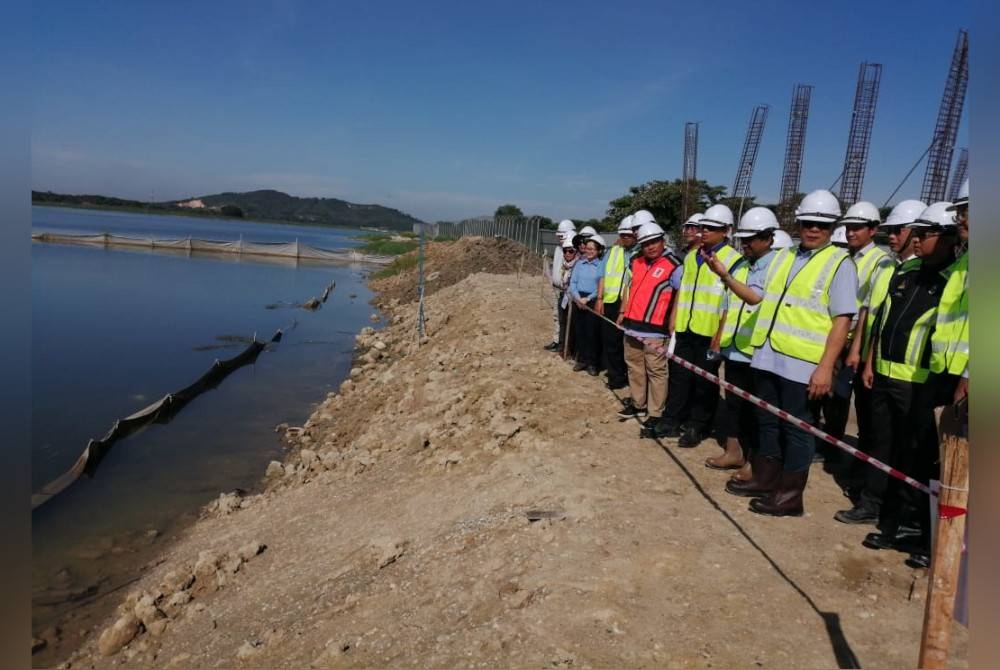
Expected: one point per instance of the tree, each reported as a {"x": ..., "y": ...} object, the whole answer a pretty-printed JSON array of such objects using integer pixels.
[
  {"x": 231, "y": 210},
  {"x": 508, "y": 210},
  {"x": 665, "y": 200}
]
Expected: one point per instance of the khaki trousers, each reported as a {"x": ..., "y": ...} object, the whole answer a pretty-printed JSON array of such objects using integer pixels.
[{"x": 647, "y": 375}]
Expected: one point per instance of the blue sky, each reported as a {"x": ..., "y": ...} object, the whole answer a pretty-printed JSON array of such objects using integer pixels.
[{"x": 446, "y": 109}]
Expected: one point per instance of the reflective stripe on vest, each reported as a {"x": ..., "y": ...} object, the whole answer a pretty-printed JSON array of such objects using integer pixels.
[
  {"x": 908, "y": 370},
  {"x": 794, "y": 315},
  {"x": 866, "y": 269},
  {"x": 881, "y": 277},
  {"x": 950, "y": 340},
  {"x": 699, "y": 305},
  {"x": 614, "y": 273},
  {"x": 741, "y": 317},
  {"x": 650, "y": 291}
]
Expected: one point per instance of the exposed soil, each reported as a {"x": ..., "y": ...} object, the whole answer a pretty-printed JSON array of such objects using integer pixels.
[
  {"x": 469, "y": 501},
  {"x": 446, "y": 263}
]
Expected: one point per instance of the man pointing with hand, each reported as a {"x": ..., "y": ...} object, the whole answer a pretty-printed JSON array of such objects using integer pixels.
[{"x": 810, "y": 295}]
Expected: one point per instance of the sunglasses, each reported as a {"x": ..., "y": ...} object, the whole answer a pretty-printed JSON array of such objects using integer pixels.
[
  {"x": 924, "y": 234},
  {"x": 717, "y": 229},
  {"x": 823, "y": 225},
  {"x": 569, "y": 251}
]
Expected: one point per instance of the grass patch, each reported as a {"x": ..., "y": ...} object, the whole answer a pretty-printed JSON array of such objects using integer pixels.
[
  {"x": 400, "y": 264},
  {"x": 387, "y": 247}
]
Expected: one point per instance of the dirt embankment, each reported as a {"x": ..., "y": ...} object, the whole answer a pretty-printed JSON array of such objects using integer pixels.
[
  {"x": 471, "y": 502},
  {"x": 446, "y": 263}
]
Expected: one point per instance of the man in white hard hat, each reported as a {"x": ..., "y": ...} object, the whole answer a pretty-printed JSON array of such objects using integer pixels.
[
  {"x": 610, "y": 287},
  {"x": 897, "y": 370},
  {"x": 810, "y": 295},
  {"x": 852, "y": 474},
  {"x": 692, "y": 400},
  {"x": 745, "y": 290},
  {"x": 645, "y": 312},
  {"x": 564, "y": 231},
  {"x": 858, "y": 226},
  {"x": 690, "y": 234}
]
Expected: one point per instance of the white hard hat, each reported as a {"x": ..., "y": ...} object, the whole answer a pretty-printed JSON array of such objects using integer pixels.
[
  {"x": 567, "y": 242},
  {"x": 904, "y": 213},
  {"x": 566, "y": 226},
  {"x": 782, "y": 240},
  {"x": 626, "y": 225},
  {"x": 862, "y": 212},
  {"x": 755, "y": 220},
  {"x": 839, "y": 235},
  {"x": 649, "y": 231},
  {"x": 963, "y": 195},
  {"x": 820, "y": 205},
  {"x": 694, "y": 220},
  {"x": 588, "y": 231},
  {"x": 937, "y": 215},
  {"x": 717, "y": 215},
  {"x": 643, "y": 216},
  {"x": 597, "y": 239}
]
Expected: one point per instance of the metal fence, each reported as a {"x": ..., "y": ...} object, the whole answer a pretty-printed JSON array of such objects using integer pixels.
[{"x": 524, "y": 230}]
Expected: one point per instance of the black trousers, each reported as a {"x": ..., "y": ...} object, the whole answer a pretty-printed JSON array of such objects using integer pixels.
[
  {"x": 853, "y": 473},
  {"x": 587, "y": 335},
  {"x": 740, "y": 417},
  {"x": 691, "y": 400},
  {"x": 905, "y": 421},
  {"x": 613, "y": 343}
]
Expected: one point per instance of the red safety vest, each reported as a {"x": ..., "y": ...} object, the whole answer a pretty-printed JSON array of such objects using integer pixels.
[{"x": 650, "y": 294}]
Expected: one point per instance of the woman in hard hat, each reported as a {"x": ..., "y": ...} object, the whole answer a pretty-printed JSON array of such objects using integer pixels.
[
  {"x": 562, "y": 298},
  {"x": 583, "y": 286}
]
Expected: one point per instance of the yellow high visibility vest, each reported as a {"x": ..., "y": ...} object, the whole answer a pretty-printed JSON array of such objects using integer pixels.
[
  {"x": 614, "y": 273},
  {"x": 794, "y": 315},
  {"x": 741, "y": 317},
  {"x": 950, "y": 340},
  {"x": 910, "y": 369},
  {"x": 699, "y": 302}
]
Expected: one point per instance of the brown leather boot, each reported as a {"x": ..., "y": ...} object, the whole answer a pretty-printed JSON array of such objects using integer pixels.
[
  {"x": 786, "y": 498},
  {"x": 765, "y": 474},
  {"x": 731, "y": 459},
  {"x": 743, "y": 474}
]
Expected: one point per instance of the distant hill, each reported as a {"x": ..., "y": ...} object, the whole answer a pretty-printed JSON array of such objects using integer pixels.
[{"x": 266, "y": 204}]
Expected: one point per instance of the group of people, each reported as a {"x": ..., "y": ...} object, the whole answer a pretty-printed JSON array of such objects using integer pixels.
[{"x": 803, "y": 325}]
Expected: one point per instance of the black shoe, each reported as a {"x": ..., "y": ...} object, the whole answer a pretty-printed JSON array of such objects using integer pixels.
[
  {"x": 668, "y": 430},
  {"x": 552, "y": 346},
  {"x": 591, "y": 370},
  {"x": 689, "y": 439},
  {"x": 906, "y": 543},
  {"x": 917, "y": 561},
  {"x": 650, "y": 422},
  {"x": 579, "y": 366},
  {"x": 630, "y": 410},
  {"x": 860, "y": 513},
  {"x": 615, "y": 387}
]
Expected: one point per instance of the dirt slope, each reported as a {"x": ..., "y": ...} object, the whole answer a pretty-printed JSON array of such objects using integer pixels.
[{"x": 399, "y": 532}]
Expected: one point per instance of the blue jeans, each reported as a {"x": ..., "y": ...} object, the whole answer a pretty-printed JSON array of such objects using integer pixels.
[{"x": 799, "y": 446}]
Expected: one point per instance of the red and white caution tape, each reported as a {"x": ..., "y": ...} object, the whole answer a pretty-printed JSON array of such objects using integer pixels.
[{"x": 780, "y": 413}]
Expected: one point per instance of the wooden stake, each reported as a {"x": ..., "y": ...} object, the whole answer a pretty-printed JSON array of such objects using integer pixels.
[{"x": 942, "y": 583}]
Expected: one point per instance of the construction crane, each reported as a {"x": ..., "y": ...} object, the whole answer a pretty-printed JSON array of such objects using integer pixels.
[
  {"x": 690, "y": 169},
  {"x": 961, "y": 168},
  {"x": 748, "y": 159},
  {"x": 946, "y": 128},
  {"x": 798, "y": 116},
  {"x": 860, "y": 135}
]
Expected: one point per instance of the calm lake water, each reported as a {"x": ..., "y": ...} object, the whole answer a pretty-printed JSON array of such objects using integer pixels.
[{"x": 115, "y": 330}]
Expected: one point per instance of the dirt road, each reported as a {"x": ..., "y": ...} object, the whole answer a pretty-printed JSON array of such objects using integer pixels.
[{"x": 472, "y": 502}]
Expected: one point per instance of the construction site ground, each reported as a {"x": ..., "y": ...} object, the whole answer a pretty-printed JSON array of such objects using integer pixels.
[{"x": 468, "y": 501}]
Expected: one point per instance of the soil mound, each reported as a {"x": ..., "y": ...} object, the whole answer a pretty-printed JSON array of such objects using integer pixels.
[{"x": 446, "y": 263}]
